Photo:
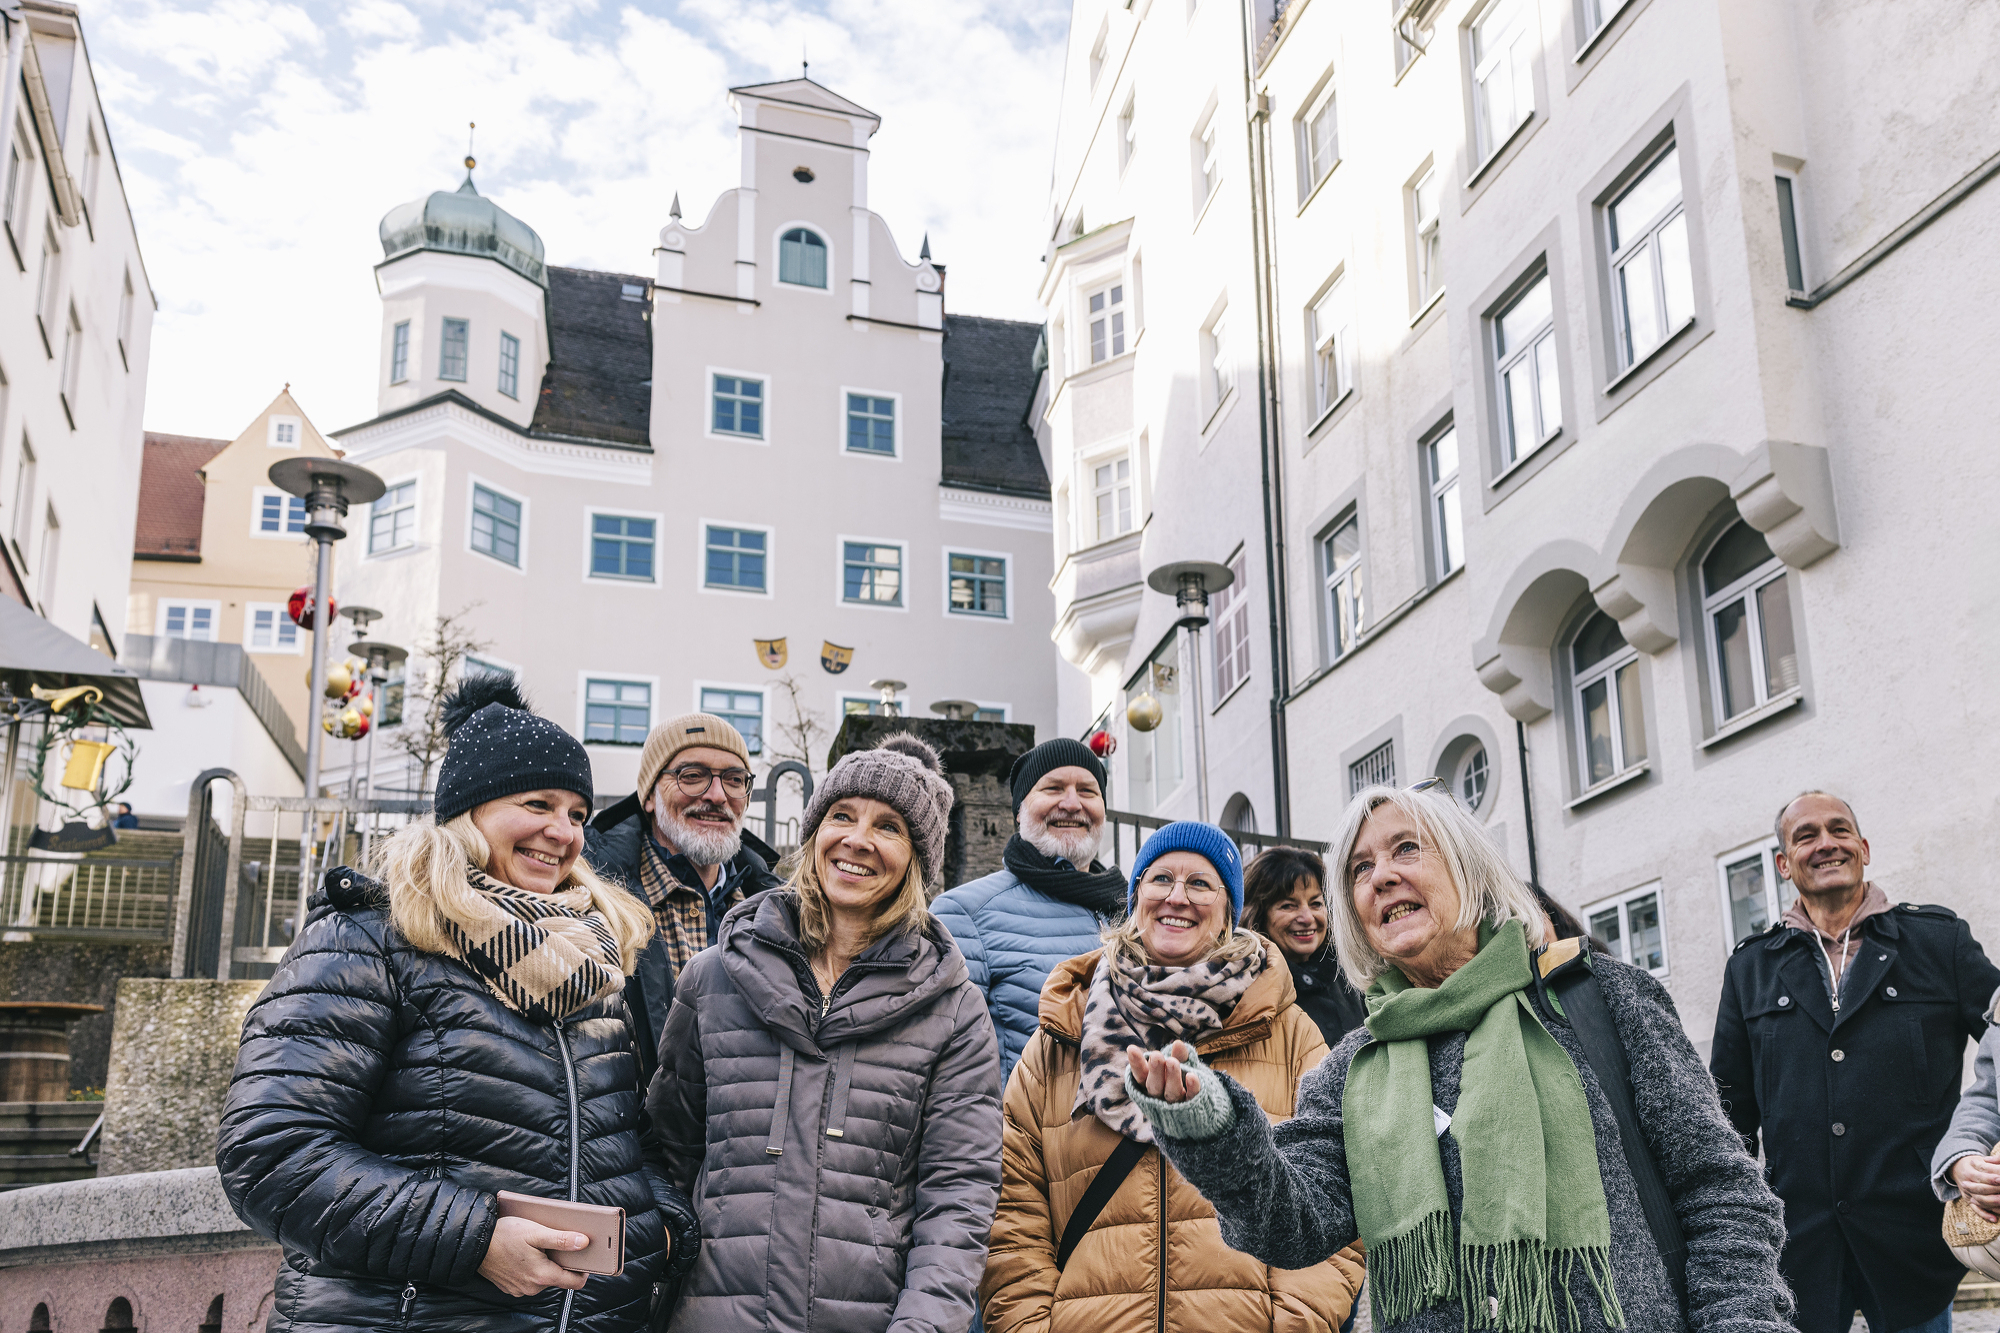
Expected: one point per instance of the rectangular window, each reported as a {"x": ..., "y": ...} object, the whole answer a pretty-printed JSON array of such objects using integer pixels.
[
  {"x": 1111, "y": 493},
  {"x": 93, "y": 162},
  {"x": 51, "y": 545},
  {"x": 1319, "y": 141},
  {"x": 1327, "y": 330},
  {"x": 741, "y": 709},
  {"x": 871, "y": 425},
  {"x": 1597, "y": 13},
  {"x": 452, "y": 350},
  {"x": 1503, "y": 86},
  {"x": 802, "y": 258},
  {"x": 17, "y": 176},
  {"x": 1207, "y": 166},
  {"x": 978, "y": 585},
  {"x": 496, "y": 525},
  {"x": 1524, "y": 340},
  {"x": 1429, "y": 252},
  {"x": 1652, "y": 281},
  {"x": 392, "y": 520},
  {"x": 280, "y": 513},
  {"x": 617, "y": 712},
  {"x": 284, "y": 433},
  {"x": 271, "y": 630},
  {"x": 739, "y": 406},
  {"x": 621, "y": 547},
  {"x": 1154, "y": 765},
  {"x": 1107, "y": 323},
  {"x": 1406, "y": 50},
  {"x": 1377, "y": 768},
  {"x": 1232, "y": 631},
  {"x": 872, "y": 574},
  {"x": 1340, "y": 565},
  {"x": 72, "y": 363},
  {"x": 399, "y": 353},
  {"x": 187, "y": 620},
  {"x": 510, "y": 365},
  {"x": 1610, "y": 715},
  {"x": 1128, "y": 130},
  {"x": 1753, "y": 896},
  {"x": 1788, "y": 233},
  {"x": 389, "y": 712},
  {"x": 1100, "y": 51},
  {"x": 48, "y": 287},
  {"x": 125, "y": 323},
  {"x": 1447, "y": 526},
  {"x": 736, "y": 559},
  {"x": 1221, "y": 374},
  {"x": 1746, "y": 605},
  {"x": 1630, "y": 926},
  {"x": 24, "y": 496}
]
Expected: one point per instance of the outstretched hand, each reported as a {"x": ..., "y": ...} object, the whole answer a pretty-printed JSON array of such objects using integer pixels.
[{"x": 1161, "y": 1074}]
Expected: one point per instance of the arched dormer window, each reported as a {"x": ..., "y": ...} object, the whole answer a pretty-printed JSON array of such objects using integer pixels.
[{"x": 802, "y": 258}]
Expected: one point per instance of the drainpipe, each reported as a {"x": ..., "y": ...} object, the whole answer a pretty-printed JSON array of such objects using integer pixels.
[{"x": 1527, "y": 803}]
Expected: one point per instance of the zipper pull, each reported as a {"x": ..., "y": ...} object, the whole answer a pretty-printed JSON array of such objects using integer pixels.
[{"x": 409, "y": 1298}]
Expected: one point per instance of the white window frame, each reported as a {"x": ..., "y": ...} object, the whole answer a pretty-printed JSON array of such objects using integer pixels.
[
  {"x": 274, "y": 432},
  {"x": 1605, "y": 670},
  {"x": 1537, "y": 352},
  {"x": 125, "y": 295},
  {"x": 708, "y": 405},
  {"x": 1502, "y": 43},
  {"x": 464, "y": 375},
  {"x": 508, "y": 379},
  {"x": 1128, "y": 129},
  {"x": 474, "y": 484},
  {"x": 1006, "y": 560},
  {"x": 701, "y": 583},
  {"x": 778, "y": 259},
  {"x": 1329, "y": 333},
  {"x": 896, "y": 426},
  {"x": 280, "y": 617},
  {"x": 1218, "y": 368},
  {"x": 72, "y": 363},
  {"x": 908, "y": 589},
  {"x": 1344, "y": 632},
  {"x": 1594, "y": 17},
  {"x": 487, "y": 662},
  {"x": 1318, "y": 141},
  {"x": 20, "y": 182},
  {"x": 258, "y": 496},
  {"x": 399, "y": 353},
  {"x": 583, "y": 679},
  {"x": 1100, "y": 52},
  {"x": 1231, "y": 612},
  {"x": 1778, "y": 892},
  {"x": 1447, "y": 513},
  {"x": 1089, "y": 487},
  {"x": 1644, "y": 255},
  {"x": 1426, "y": 237},
  {"x": 1745, "y": 590},
  {"x": 48, "y": 284},
  {"x": 191, "y": 605},
  {"x": 1622, "y": 903},
  {"x": 1116, "y": 340},
  {"x": 23, "y": 524},
  {"x": 1462, "y": 770},
  {"x": 1792, "y": 231},
  {"x": 1376, "y": 777},
  {"x": 659, "y": 521},
  {"x": 368, "y": 551},
  {"x": 1207, "y": 159},
  {"x": 763, "y": 692}
]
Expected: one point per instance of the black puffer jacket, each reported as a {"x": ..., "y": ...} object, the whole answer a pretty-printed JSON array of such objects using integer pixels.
[{"x": 382, "y": 1096}]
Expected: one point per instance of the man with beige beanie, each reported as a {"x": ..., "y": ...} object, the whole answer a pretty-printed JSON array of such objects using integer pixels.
[{"x": 678, "y": 842}]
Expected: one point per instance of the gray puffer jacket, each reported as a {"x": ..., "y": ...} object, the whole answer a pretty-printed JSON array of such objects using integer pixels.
[{"x": 843, "y": 1152}]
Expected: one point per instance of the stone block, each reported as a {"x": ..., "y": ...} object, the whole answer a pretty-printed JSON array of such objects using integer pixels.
[
  {"x": 977, "y": 757},
  {"x": 172, "y": 1051}
]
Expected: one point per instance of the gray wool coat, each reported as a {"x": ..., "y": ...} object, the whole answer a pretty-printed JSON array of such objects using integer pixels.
[
  {"x": 1283, "y": 1196},
  {"x": 843, "y": 1153}
]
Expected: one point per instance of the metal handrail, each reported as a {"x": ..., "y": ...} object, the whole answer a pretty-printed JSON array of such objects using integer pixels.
[{"x": 1248, "y": 843}]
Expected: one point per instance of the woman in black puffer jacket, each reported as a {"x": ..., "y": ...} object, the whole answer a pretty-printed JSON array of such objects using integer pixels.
[{"x": 451, "y": 1032}]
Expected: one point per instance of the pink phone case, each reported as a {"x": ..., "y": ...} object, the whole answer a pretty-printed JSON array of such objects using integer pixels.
[{"x": 605, "y": 1255}]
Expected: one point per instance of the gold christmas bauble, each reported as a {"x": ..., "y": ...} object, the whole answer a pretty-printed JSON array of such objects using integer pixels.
[{"x": 1143, "y": 713}]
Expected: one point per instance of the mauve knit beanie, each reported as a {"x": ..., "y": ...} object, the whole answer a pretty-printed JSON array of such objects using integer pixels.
[
  {"x": 904, "y": 774},
  {"x": 499, "y": 746},
  {"x": 1191, "y": 835}
]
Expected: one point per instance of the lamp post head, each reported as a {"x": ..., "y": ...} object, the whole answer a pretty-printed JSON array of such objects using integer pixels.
[
  {"x": 1190, "y": 582},
  {"x": 890, "y": 689},
  {"x": 956, "y": 710},
  {"x": 362, "y": 616},
  {"x": 328, "y": 486},
  {"x": 380, "y": 656}
]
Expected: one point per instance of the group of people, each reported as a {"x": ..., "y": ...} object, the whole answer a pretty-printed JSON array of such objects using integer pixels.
[{"x": 1069, "y": 1097}]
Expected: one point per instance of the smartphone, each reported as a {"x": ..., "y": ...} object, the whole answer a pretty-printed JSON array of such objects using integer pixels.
[{"x": 604, "y": 1255}]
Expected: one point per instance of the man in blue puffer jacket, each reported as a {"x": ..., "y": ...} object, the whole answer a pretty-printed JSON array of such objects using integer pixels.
[{"x": 1016, "y": 924}]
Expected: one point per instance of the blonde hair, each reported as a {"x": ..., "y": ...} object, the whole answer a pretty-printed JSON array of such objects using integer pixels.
[
  {"x": 904, "y": 908},
  {"x": 425, "y": 866},
  {"x": 1123, "y": 937},
  {"x": 1488, "y": 889}
]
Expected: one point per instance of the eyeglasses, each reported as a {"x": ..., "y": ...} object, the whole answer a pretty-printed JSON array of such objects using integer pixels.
[
  {"x": 694, "y": 779},
  {"x": 1430, "y": 784},
  {"x": 1160, "y": 885}
]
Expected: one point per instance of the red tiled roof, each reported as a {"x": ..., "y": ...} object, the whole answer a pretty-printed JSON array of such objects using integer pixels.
[{"x": 170, "y": 495}]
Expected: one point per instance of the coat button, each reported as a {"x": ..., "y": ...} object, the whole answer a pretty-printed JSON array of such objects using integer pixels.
[
  {"x": 1891, "y": 992},
  {"x": 1838, "y": 1056},
  {"x": 1784, "y": 1001},
  {"x": 1838, "y": 1129}
]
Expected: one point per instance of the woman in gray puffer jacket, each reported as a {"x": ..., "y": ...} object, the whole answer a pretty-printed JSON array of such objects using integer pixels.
[{"x": 829, "y": 1085}]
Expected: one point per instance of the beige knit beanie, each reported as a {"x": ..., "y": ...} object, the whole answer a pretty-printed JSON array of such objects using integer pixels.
[
  {"x": 685, "y": 733},
  {"x": 905, "y": 774}
]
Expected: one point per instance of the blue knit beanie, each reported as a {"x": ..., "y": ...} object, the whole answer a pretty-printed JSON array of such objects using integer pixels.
[{"x": 1191, "y": 835}]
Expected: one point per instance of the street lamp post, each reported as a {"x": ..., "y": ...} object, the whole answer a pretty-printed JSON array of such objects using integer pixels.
[
  {"x": 381, "y": 656},
  {"x": 889, "y": 689},
  {"x": 1190, "y": 582}
]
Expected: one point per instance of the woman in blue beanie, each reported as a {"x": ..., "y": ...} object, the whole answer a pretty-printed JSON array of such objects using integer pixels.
[{"x": 1151, "y": 1257}]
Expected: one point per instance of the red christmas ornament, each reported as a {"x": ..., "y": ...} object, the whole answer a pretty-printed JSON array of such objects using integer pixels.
[
  {"x": 300, "y": 607},
  {"x": 1102, "y": 744}
]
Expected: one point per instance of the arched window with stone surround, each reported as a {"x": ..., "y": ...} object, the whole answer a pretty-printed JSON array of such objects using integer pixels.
[
  {"x": 1746, "y": 614},
  {"x": 802, "y": 258},
  {"x": 1609, "y": 711}
]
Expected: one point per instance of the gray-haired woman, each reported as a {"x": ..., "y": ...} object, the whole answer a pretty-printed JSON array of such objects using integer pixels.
[{"x": 1462, "y": 1135}]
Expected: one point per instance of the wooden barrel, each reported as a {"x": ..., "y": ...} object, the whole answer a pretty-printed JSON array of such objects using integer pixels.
[{"x": 34, "y": 1048}]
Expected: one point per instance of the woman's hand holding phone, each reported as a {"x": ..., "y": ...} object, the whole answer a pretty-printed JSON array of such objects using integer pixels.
[{"x": 517, "y": 1258}]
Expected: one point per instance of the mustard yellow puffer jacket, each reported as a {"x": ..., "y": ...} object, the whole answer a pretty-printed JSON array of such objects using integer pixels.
[{"x": 1154, "y": 1261}]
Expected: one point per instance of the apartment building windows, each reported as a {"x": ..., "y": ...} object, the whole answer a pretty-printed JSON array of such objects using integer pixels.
[
  {"x": 1524, "y": 342},
  {"x": 1100, "y": 52},
  {"x": 1319, "y": 141},
  {"x": 1630, "y": 926},
  {"x": 738, "y": 403},
  {"x": 399, "y": 353},
  {"x": 1652, "y": 282},
  {"x": 125, "y": 322},
  {"x": 1788, "y": 233},
  {"x": 1327, "y": 334},
  {"x": 271, "y": 630},
  {"x": 392, "y": 520},
  {"x": 1747, "y": 610},
  {"x": 1340, "y": 572},
  {"x": 510, "y": 365},
  {"x": 1207, "y": 165},
  {"x": 1503, "y": 87},
  {"x": 93, "y": 163},
  {"x": 283, "y": 433},
  {"x": 452, "y": 350},
  {"x": 871, "y": 573},
  {"x": 48, "y": 288},
  {"x": 1610, "y": 715},
  {"x": 1446, "y": 522},
  {"x": 736, "y": 559},
  {"x": 1425, "y": 244},
  {"x": 621, "y": 547},
  {"x": 1231, "y": 610},
  {"x": 1107, "y": 323},
  {"x": 24, "y": 498},
  {"x": 1128, "y": 129},
  {"x": 72, "y": 364},
  {"x": 14, "y": 209},
  {"x": 1754, "y": 896},
  {"x": 977, "y": 584},
  {"x": 182, "y": 619},
  {"x": 802, "y": 258},
  {"x": 496, "y": 525},
  {"x": 617, "y": 712},
  {"x": 278, "y": 514},
  {"x": 1377, "y": 768},
  {"x": 1111, "y": 497},
  {"x": 1597, "y": 13},
  {"x": 1219, "y": 370},
  {"x": 741, "y": 709},
  {"x": 51, "y": 548},
  {"x": 871, "y": 425}
]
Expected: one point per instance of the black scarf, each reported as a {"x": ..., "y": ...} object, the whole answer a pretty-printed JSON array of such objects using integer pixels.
[{"x": 1100, "y": 889}]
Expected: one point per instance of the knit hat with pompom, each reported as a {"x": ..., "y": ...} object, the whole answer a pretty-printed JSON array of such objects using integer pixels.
[
  {"x": 499, "y": 746},
  {"x": 904, "y": 774}
]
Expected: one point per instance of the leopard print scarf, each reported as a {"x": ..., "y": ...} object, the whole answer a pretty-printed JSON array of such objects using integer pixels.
[{"x": 1136, "y": 1004}]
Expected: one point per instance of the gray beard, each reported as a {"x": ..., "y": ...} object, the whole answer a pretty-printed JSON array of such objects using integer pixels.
[
  {"x": 1075, "y": 846},
  {"x": 698, "y": 845}
]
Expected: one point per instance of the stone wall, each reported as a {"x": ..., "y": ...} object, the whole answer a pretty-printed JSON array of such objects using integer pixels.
[
  {"x": 80, "y": 973},
  {"x": 171, "y": 1056},
  {"x": 977, "y": 757}
]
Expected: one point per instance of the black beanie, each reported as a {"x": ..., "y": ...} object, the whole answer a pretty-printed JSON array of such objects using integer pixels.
[
  {"x": 1046, "y": 758},
  {"x": 499, "y": 746}
]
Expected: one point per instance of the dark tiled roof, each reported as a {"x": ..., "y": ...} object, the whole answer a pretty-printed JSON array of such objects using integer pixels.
[
  {"x": 170, "y": 495},
  {"x": 599, "y": 381},
  {"x": 989, "y": 385}
]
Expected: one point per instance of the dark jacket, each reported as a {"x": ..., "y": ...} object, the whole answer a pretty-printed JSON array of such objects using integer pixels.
[
  {"x": 1324, "y": 994},
  {"x": 843, "y": 1153},
  {"x": 382, "y": 1096},
  {"x": 612, "y": 844},
  {"x": 1851, "y": 1107}
]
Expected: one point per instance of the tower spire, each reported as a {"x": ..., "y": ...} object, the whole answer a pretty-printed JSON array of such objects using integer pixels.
[
  {"x": 675, "y": 211},
  {"x": 925, "y": 253},
  {"x": 471, "y": 126}
]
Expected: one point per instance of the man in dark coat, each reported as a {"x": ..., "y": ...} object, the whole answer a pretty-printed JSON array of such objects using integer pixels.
[{"x": 1841, "y": 1039}]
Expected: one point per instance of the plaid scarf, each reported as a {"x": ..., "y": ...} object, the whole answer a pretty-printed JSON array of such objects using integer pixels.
[
  {"x": 680, "y": 912},
  {"x": 545, "y": 955}
]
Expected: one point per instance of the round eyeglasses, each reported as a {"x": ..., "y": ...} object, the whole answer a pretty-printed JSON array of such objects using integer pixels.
[
  {"x": 1160, "y": 885},
  {"x": 695, "y": 778}
]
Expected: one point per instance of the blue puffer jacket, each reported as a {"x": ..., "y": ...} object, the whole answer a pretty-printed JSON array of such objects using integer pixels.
[{"x": 1012, "y": 937}]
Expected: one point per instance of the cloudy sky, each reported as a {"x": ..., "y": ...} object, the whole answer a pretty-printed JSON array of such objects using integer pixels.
[{"x": 261, "y": 142}]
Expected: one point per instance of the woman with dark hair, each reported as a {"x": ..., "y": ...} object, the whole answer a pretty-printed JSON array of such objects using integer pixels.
[{"x": 1284, "y": 900}]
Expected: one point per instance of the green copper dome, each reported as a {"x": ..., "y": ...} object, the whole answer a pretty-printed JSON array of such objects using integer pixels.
[{"x": 463, "y": 222}]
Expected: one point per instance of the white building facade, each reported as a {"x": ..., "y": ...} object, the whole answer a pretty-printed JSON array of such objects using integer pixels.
[
  {"x": 633, "y": 486},
  {"x": 1623, "y": 387}
]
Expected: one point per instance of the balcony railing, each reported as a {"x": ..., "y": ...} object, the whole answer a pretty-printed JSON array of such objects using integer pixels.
[{"x": 98, "y": 898}]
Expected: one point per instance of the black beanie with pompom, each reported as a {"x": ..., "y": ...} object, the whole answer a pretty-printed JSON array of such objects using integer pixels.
[{"x": 499, "y": 746}]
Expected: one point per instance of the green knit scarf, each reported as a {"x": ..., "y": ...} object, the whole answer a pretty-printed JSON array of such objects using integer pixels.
[{"x": 1534, "y": 1202}]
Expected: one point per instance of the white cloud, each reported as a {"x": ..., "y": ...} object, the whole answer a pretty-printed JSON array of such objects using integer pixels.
[{"x": 260, "y": 143}]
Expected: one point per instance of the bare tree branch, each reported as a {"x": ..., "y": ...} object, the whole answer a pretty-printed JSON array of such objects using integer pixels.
[{"x": 421, "y": 734}]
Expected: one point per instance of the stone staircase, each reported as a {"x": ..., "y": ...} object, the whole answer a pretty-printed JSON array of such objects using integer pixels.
[{"x": 35, "y": 1139}]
